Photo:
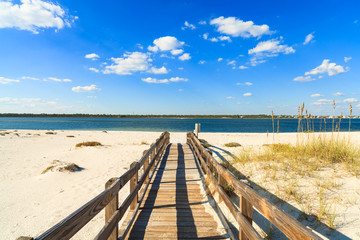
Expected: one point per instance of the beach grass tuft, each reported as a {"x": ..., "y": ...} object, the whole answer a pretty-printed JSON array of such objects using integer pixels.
[
  {"x": 232, "y": 144},
  {"x": 88, "y": 144}
]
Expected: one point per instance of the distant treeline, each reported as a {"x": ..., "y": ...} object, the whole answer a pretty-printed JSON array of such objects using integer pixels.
[{"x": 80, "y": 115}]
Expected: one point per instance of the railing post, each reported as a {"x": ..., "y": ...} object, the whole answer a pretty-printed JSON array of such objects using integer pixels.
[
  {"x": 110, "y": 210},
  {"x": 152, "y": 155},
  {"x": 146, "y": 165},
  {"x": 133, "y": 183},
  {"x": 197, "y": 129},
  {"x": 246, "y": 209}
]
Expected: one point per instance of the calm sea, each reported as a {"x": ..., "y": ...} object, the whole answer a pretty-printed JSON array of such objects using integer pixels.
[{"x": 172, "y": 125}]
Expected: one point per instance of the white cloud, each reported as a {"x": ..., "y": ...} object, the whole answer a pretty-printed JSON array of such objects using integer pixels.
[
  {"x": 140, "y": 46},
  {"x": 181, "y": 68},
  {"x": 229, "y": 97},
  {"x": 58, "y": 79},
  {"x": 91, "y": 88},
  {"x": 308, "y": 38},
  {"x": 224, "y": 38},
  {"x": 129, "y": 63},
  {"x": 245, "y": 84},
  {"x": 7, "y": 80},
  {"x": 350, "y": 100},
  {"x": 266, "y": 49},
  {"x": 327, "y": 67},
  {"x": 32, "y": 15},
  {"x": 180, "y": 90},
  {"x": 184, "y": 57},
  {"x": 188, "y": 25},
  {"x": 247, "y": 94},
  {"x": 271, "y": 48},
  {"x": 202, "y": 22},
  {"x": 159, "y": 81},
  {"x": 177, "y": 51},
  {"x": 205, "y": 36},
  {"x": 92, "y": 56},
  {"x": 303, "y": 79},
  {"x": 167, "y": 43},
  {"x": 29, "y": 78},
  {"x": 213, "y": 39},
  {"x": 220, "y": 59},
  {"x": 178, "y": 79},
  {"x": 94, "y": 69},
  {"x": 236, "y": 27},
  {"x": 231, "y": 62},
  {"x": 91, "y": 96},
  {"x": 161, "y": 70},
  {"x": 338, "y": 94},
  {"x": 346, "y": 59},
  {"x": 202, "y": 61},
  {"x": 323, "y": 102},
  {"x": 243, "y": 67},
  {"x": 316, "y": 95}
]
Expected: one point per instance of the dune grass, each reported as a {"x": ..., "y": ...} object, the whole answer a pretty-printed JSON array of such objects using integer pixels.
[
  {"x": 232, "y": 144},
  {"x": 88, "y": 144}
]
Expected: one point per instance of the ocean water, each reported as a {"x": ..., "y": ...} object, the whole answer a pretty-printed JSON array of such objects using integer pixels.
[{"x": 173, "y": 125}]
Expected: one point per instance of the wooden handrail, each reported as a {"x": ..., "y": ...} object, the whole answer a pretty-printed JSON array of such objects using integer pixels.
[
  {"x": 287, "y": 224},
  {"x": 69, "y": 226}
]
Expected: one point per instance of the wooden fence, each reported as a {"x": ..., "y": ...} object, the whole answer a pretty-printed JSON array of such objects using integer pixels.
[
  {"x": 249, "y": 199},
  {"x": 108, "y": 199}
]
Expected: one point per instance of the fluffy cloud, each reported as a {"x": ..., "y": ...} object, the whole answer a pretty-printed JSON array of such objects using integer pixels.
[
  {"x": 346, "y": 59},
  {"x": 58, "y": 79},
  {"x": 243, "y": 67},
  {"x": 176, "y": 51},
  {"x": 129, "y": 63},
  {"x": 247, "y": 94},
  {"x": 205, "y": 36},
  {"x": 266, "y": 49},
  {"x": 327, "y": 67},
  {"x": 308, "y": 38},
  {"x": 217, "y": 39},
  {"x": 338, "y": 94},
  {"x": 220, "y": 59},
  {"x": 167, "y": 43},
  {"x": 185, "y": 56},
  {"x": 94, "y": 69},
  {"x": 303, "y": 79},
  {"x": 188, "y": 25},
  {"x": 32, "y": 15},
  {"x": 316, "y": 95},
  {"x": 91, "y": 88},
  {"x": 244, "y": 84},
  {"x": 161, "y": 70},
  {"x": 158, "y": 81},
  {"x": 322, "y": 102},
  {"x": 236, "y": 27},
  {"x": 271, "y": 48},
  {"x": 202, "y": 62},
  {"x": 350, "y": 100},
  {"x": 7, "y": 80},
  {"x": 92, "y": 56}
]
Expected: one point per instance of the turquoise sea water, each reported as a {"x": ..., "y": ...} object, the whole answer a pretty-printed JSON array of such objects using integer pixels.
[{"x": 171, "y": 124}]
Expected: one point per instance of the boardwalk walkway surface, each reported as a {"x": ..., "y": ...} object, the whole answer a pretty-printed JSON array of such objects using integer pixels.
[{"x": 174, "y": 207}]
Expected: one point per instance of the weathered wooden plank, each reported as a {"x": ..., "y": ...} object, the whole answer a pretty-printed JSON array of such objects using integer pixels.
[{"x": 110, "y": 210}]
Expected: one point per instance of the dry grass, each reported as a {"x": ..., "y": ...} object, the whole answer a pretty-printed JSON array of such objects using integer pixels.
[
  {"x": 232, "y": 144},
  {"x": 63, "y": 167},
  {"x": 88, "y": 144},
  {"x": 70, "y": 136},
  {"x": 50, "y": 133},
  {"x": 70, "y": 167}
]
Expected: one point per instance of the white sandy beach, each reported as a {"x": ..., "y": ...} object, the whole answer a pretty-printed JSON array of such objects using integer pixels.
[{"x": 32, "y": 202}]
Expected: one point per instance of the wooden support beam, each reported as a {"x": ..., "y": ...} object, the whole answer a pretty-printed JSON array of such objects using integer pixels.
[
  {"x": 133, "y": 183},
  {"x": 110, "y": 210}
]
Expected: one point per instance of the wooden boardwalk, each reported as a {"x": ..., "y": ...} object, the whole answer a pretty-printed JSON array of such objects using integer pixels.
[{"x": 174, "y": 207}]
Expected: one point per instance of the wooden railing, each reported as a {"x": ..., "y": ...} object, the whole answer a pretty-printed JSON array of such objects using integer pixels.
[
  {"x": 109, "y": 199},
  {"x": 249, "y": 199}
]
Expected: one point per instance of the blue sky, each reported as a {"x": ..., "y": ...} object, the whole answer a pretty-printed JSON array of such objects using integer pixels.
[{"x": 179, "y": 57}]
